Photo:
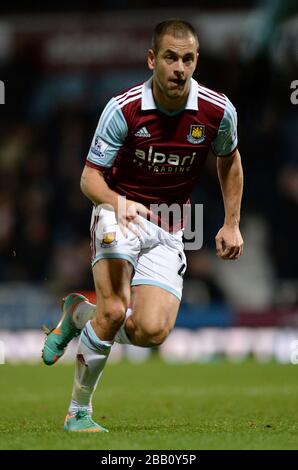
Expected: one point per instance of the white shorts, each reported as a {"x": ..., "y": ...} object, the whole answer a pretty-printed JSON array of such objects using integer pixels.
[{"x": 157, "y": 257}]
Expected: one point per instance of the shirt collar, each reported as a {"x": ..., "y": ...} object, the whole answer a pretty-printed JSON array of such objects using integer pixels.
[{"x": 149, "y": 103}]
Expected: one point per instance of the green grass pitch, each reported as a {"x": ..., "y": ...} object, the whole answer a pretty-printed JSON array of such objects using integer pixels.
[{"x": 154, "y": 405}]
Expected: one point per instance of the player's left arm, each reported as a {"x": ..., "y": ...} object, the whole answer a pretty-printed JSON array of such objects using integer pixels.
[{"x": 229, "y": 242}]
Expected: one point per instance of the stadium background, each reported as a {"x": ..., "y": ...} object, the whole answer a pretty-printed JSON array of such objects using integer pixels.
[
  {"x": 59, "y": 67},
  {"x": 224, "y": 378}
]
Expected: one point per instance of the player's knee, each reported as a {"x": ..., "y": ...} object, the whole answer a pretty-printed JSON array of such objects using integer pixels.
[
  {"x": 156, "y": 334},
  {"x": 113, "y": 310}
]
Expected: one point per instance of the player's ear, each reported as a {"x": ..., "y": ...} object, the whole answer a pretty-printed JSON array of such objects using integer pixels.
[{"x": 151, "y": 59}]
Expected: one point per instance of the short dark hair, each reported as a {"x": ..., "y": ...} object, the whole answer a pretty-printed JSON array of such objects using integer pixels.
[{"x": 175, "y": 27}]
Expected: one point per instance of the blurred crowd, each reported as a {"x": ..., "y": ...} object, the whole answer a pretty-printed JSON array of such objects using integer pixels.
[{"x": 44, "y": 139}]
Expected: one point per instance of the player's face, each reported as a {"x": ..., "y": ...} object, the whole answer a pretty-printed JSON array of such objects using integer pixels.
[{"x": 173, "y": 67}]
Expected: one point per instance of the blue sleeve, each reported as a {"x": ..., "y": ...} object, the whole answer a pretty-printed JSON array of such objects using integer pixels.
[
  {"x": 109, "y": 136},
  {"x": 226, "y": 140}
]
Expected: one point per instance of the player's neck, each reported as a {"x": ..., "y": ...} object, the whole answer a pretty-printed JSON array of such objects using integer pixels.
[
  {"x": 166, "y": 104},
  {"x": 169, "y": 113},
  {"x": 171, "y": 106}
]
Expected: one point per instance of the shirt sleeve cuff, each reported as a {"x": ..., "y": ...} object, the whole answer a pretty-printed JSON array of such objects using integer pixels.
[{"x": 226, "y": 154}]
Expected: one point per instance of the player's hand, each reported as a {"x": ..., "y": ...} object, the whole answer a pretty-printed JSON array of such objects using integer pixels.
[
  {"x": 229, "y": 242},
  {"x": 128, "y": 216}
]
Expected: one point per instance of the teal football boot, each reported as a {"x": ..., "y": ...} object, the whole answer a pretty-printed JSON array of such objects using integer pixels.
[
  {"x": 58, "y": 338},
  {"x": 82, "y": 422}
]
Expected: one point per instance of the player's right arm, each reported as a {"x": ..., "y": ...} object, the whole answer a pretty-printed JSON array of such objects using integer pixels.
[
  {"x": 95, "y": 188},
  {"x": 108, "y": 139},
  {"x": 127, "y": 212}
]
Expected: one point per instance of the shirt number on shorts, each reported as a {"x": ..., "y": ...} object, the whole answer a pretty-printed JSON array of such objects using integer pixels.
[{"x": 182, "y": 268}]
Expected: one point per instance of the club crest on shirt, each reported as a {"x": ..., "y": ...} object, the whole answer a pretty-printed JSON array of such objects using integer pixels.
[
  {"x": 108, "y": 240},
  {"x": 196, "y": 134}
]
